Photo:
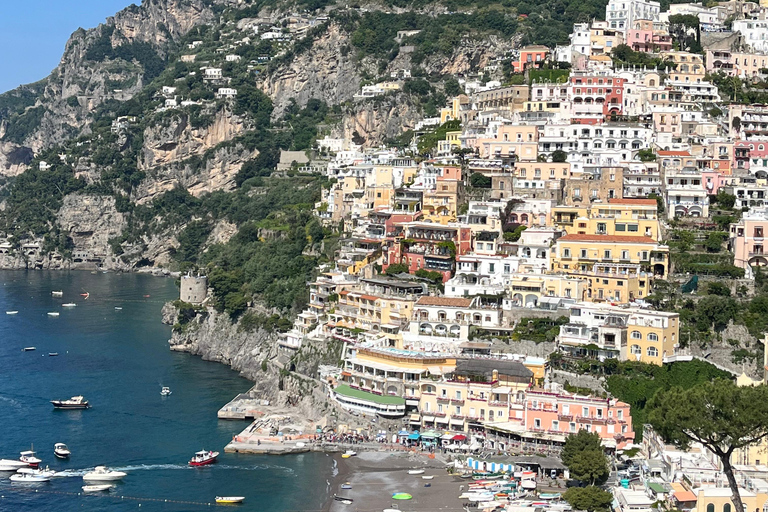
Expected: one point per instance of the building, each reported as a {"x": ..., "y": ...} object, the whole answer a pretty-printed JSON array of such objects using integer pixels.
[
  {"x": 193, "y": 289},
  {"x": 605, "y": 331},
  {"x": 622, "y": 14},
  {"x": 747, "y": 238}
]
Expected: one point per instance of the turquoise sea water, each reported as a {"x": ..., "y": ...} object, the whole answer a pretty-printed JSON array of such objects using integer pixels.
[{"x": 119, "y": 359}]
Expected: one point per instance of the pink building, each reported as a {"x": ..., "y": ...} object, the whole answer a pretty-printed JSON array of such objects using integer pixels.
[
  {"x": 748, "y": 238},
  {"x": 640, "y": 36},
  {"x": 713, "y": 181},
  {"x": 564, "y": 414}
]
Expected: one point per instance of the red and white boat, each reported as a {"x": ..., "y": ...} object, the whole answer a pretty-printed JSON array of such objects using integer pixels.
[
  {"x": 203, "y": 458},
  {"x": 29, "y": 458}
]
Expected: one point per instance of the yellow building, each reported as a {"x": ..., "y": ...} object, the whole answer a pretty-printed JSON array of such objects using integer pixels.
[
  {"x": 624, "y": 217},
  {"x": 689, "y": 67},
  {"x": 453, "y": 111},
  {"x": 478, "y": 390},
  {"x": 527, "y": 289},
  {"x": 718, "y": 499},
  {"x": 619, "y": 269}
]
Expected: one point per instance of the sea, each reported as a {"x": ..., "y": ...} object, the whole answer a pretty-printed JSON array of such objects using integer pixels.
[{"x": 113, "y": 349}]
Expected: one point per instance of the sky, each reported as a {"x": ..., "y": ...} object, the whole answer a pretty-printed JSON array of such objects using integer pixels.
[{"x": 33, "y": 34}]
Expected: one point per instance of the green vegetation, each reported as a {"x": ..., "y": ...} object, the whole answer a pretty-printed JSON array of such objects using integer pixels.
[
  {"x": 590, "y": 498},
  {"x": 719, "y": 415},
  {"x": 538, "y": 330},
  {"x": 584, "y": 457},
  {"x": 479, "y": 180},
  {"x": 623, "y": 55}
]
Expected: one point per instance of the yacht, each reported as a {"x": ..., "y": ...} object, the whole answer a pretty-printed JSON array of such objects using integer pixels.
[
  {"x": 97, "y": 487},
  {"x": 37, "y": 472},
  {"x": 76, "y": 402},
  {"x": 57, "y": 293},
  {"x": 30, "y": 459},
  {"x": 53, "y": 313},
  {"x": 103, "y": 474},
  {"x": 165, "y": 391},
  {"x": 11, "y": 465},
  {"x": 28, "y": 349},
  {"x": 27, "y": 478},
  {"x": 69, "y": 305},
  {"x": 61, "y": 451},
  {"x": 11, "y": 312}
]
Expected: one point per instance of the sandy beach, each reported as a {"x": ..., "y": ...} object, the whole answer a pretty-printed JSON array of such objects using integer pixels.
[{"x": 376, "y": 476}]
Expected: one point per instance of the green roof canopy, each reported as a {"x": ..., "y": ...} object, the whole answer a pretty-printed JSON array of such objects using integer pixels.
[{"x": 345, "y": 390}]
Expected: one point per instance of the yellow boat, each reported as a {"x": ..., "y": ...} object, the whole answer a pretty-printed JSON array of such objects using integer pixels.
[{"x": 230, "y": 499}]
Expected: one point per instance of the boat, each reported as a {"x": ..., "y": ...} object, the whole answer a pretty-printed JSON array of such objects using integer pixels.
[
  {"x": 146, "y": 296},
  {"x": 430, "y": 477},
  {"x": 29, "y": 457},
  {"x": 52, "y": 354},
  {"x": 549, "y": 495},
  {"x": 58, "y": 293},
  {"x": 11, "y": 312},
  {"x": 37, "y": 471},
  {"x": 86, "y": 295},
  {"x": 342, "y": 498},
  {"x": 103, "y": 474},
  {"x": 346, "y": 485},
  {"x": 53, "y": 313},
  {"x": 117, "y": 308},
  {"x": 28, "y": 349},
  {"x": 61, "y": 451},
  {"x": 97, "y": 488},
  {"x": 26, "y": 478},
  {"x": 12, "y": 465},
  {"x": 165, "y": 391},
  {"x": 76, "y": 402},
  {"x": 203, "y": 458},
  {"x": 415, "y": 471},
  {"x": 230, "y": 499},
  {"x": 401, "y": 496},
  {"x": 69, "y": 305}
]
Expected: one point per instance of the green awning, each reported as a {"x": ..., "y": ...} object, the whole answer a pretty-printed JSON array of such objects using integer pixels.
[{"x": 345, "y": 390}]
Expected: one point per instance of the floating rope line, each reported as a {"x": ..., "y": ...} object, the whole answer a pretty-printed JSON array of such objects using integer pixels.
[{"x": 112, "y": 496}]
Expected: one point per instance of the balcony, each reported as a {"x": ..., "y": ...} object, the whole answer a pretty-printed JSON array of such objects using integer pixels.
[
  {"x": 443, "y": 400},
  {"x": 457, "y": 402},
  {"x": 498, "y": 403},
  {"x": 565, "y": 417}
]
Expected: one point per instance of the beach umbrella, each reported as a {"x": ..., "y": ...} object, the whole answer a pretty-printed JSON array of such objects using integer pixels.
[
  {"x": 414, "y": 436},
  {"x": 464, "y": 446},
  {"x": 459, "y": 437},
  {"x": 401, "y": 496}
]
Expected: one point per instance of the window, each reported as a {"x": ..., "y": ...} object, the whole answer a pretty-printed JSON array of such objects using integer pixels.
[
  {"x": 607, "y": 254},
  {"x": 536, "y": 423},
  {"x": 636, "y": 349},
  {"x": 652, "y": 352},
  {"x": 583, "y": 253},
  {"x": 439, "y": 407},
  {"x": 653, "y": 337},
  {"x": 585, "y": 412},
  {"x": 572, "y": 428},
  {"x": 555, "y": 425},
  {"x": 632, "y": 227},
  {"x": 625, "y": 255},
  {"x": 621, "y": 227},
  {"x": 458, "y": 410},
  {"x": 566, "y": 253},
  {"x": 458, "y": 395},
  {"x": 443, "y": 393},
  {"x": 636, "y": 335}
]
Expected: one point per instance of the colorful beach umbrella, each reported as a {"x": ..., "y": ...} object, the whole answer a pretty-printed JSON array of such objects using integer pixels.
[{"x": 401, "y": 496}]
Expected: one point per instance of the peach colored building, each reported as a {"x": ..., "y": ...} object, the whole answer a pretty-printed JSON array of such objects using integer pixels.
[
  {"x": 531, "y": 57},
  {"x": 564, "y": 413},
  {"x": 748, "y": 238}
]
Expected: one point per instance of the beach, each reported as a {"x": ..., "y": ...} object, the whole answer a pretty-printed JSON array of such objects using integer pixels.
[{"x": 376, "y": 476}]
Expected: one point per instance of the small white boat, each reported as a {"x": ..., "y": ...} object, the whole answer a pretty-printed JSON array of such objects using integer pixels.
[
  {"x": 76, "y": 402},
  {"x": 26, "y": 478},
  {"x": 28, "y": 349},
  {"x": 103, "y": 474},
  {"x": 30, "y": 459},
  {"x": 37, "y": 472},
  {"x": 53, "y": 313},
  {"x": 61, "y": 451},
  {"x": 165, "y": 391},
  {"x": 97, "y": 488},
  {"x": 230, "y": 499},
  {"x": 118, "y": 308},
  {"x": 415, "y": 471},
  {"x": 430, "y": 477},
  {"x": 11, "y": 312},
  {"x": 69, "y": 305},
  {"x": 58, "y": 293},
  {"x": 52, "y": 354},
  {"x": 11, "y": 465}
]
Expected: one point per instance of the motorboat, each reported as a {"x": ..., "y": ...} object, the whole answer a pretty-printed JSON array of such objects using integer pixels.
[
  {"x": 53, "y": 313},
  {"x": 58, "y": 293},
  {"x": 342, "y": 499},
  {"x": 415, "y": 471},
  {"x": 97, "y": 487},
  {"x": 11, "y": 312},
  {"x": 28, "y": 349},
  {"x": 76, "y": 402},
  {"x": 230, "y": 499},
  {"x": 29, "y": 457},
  {"x": 38, "y": 472},
  {"x": 53, "y": 354},
  {"x": 69, "y": 305},
  {"x": 346, "y": 485},
  {"x": 12, "y": 465},
  {"x": 86, "y": 295},
  {"x": 61, "y": 451},
  {"x": 103, "y": 474},
  {"x": 117, "y": 308},
  {"x": 203, "y": 458},
  {"x": 26, "y": 478},
  {"x": 430, "y": 477},
  {"x": 166, "y": 391}
]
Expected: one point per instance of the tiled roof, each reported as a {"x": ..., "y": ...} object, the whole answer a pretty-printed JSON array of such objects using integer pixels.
[
  {"x": 608, "y": 239},
  {"x": 673, "y": 153},
  {"x": 649, "y": 202},
  {"x": 443, "y": 301}
]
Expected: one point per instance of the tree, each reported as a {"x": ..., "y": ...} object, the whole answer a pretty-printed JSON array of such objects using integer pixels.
[
  {"x": 719, "y": 415},
  {"x": 714, "y": 241},
  {"x": 659, "y": 202},
  {"x": 583, "y": 455},
  {"x": 397, "y": 268},
  {"x": 479, "y": 180},
  {"x": 590, "y": 498},
  {"x": 725, "y": 200},
  {"x": 646, "y": 155},
  {"x": 718, "y": 288},
  {"x": 559, "y": 156}
]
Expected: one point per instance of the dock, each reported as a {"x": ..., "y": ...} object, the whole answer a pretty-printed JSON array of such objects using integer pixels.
[{"x": 243, "y": 407}]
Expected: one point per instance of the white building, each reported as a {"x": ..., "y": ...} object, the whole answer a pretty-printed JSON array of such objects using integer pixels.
[
  {"x": 233, "y": 58},
  {"x": 686, "y": 196},
  {"x": 621, "y": 14},
  {"x": 534, "y": 248},
  {"x": 226, "y": 92},
  {"x": 481, "y": 274},
  {"x": 754, "y": 32},
  {"x": 212, "y": 74}
]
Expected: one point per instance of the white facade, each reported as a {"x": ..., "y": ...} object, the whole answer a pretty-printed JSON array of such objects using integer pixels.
[
  {"x": 481, "y": 274},
  {"x": 754, "y": 32},
  {"x": 686, "y": 196},
  {"x": 621, "y": 14},
  {"x": 226, "y": 92}
]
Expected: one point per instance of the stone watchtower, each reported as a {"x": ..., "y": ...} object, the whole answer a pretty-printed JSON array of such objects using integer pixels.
[{"x": 193, "y": 289}]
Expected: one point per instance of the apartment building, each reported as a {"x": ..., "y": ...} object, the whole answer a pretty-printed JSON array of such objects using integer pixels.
[
  {"x": 747, "y": 238},
  {"x": 481, "y": 274},
  {"x": 452, "y": 317},
  {"x": 608, "y": 331},
  {"x": 630, "y": 217},
  {"x": 686, "y": 195}
]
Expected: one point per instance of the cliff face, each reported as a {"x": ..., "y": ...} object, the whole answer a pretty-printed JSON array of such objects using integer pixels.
[
  {"x": 379, "y": 119},
  {"x": 326, "y": 71}
]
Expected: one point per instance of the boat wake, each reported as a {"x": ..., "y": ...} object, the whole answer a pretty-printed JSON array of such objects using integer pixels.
[
  {"x": 161, "y": 467},
  {"x": 11, "y": 401}
]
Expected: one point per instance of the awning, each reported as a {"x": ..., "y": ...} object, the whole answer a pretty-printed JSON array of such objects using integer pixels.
[
  {"x": 415, "y": 436},
  {"x": 502, "y": 390},
  {"x": 435, "y": 370},
  {"x": 446, "y": 437},
  {"x": 442, "y": 420},
  {"x": 403, "y": 433},
  {"x": 430, "y": 435},
  {"x": 550, "y": 300},
  {"x": 428, "y": 418},
  {"x": 413, "y": 417}
]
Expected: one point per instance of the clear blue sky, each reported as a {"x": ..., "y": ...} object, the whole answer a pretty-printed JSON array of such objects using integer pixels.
[{"x": 33, "y": 34}]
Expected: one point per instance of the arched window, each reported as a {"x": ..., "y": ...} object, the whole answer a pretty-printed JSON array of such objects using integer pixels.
[
  {"x": 636, "y": 349},
  {"x": 652, "y": 352},
  {"x": 711, "y": 507},
  {"x": 727, "y": 507},
  {"x": 653, "y": 336},
  {"x": 636, "y": 335}
]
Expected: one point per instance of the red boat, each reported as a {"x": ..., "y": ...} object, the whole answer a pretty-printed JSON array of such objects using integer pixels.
[{"x": 203, "y": 458}]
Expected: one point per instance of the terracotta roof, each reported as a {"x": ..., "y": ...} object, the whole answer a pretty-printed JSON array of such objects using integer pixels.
[
  {"x": 649, "y": 202},
  {"x": 369, "y": 297},
  {"x": 443, "y": 301},
  {"x": 608, "y": 239},
  {"x": 673, "y": 153}
]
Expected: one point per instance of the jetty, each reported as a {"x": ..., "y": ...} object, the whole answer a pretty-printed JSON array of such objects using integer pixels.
[{"x": 243, "y": 407}]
